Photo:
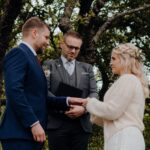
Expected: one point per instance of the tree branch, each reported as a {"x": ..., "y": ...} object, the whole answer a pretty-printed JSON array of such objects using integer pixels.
[
  {"x": 106, "y": 25},
  {"x": 85, "y": 7},
  {"x": 64, "y": 23},
  {"x": 98, "y": 5}
]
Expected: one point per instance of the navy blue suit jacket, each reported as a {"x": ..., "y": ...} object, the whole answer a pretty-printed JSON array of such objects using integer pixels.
[{"x": 26, "y": 92}]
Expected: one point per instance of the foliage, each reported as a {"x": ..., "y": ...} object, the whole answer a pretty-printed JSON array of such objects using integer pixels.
[
  {"x": 96, "y": 141},
  {"x": 147, "y": 131},
  {"x": 103, "y": 24},
  {"x": 88, "y": 18}
]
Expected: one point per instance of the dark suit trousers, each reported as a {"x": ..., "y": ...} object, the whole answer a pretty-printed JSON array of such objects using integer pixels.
[
  {"x": 18, "y": 144},
  {"x": 70, "y": 136}
]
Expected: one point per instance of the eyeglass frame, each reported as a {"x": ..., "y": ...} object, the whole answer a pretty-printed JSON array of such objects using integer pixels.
[{"x": 71, "y": 47}]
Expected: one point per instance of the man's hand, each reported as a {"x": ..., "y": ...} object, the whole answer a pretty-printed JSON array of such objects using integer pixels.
[
  {"x": 75, "y": 111},
  {"x": 38, "y": 133},
  {"x": 77, "y": 101}
]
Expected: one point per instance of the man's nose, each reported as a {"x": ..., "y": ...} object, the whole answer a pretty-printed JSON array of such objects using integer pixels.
[
  {"x": 73, "y": 49},
  {"x": 48, "y": 42}
]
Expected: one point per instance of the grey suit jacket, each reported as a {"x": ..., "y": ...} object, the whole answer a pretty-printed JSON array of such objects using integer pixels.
[{"x": 85, "y": 81}]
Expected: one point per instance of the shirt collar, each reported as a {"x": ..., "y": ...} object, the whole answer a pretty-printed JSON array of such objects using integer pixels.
[
  {"x": 30, "y": 47},
  {"x": 64, "y": 60}
]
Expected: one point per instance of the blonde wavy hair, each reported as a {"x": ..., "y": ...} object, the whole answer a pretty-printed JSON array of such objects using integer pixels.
[{"x": 131, "y": 59}]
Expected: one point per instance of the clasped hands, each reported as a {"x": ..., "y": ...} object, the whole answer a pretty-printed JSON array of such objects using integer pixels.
[{"x": 77, "y": 107}]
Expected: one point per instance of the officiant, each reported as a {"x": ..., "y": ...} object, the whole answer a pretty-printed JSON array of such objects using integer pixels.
[{"x": 68, "y": 77}]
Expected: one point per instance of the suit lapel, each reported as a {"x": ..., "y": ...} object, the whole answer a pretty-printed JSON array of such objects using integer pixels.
[
  {"x": 78, "y": 73},
  {"x": 60, "y": 68},
  {"x": 33, "y": 58}
]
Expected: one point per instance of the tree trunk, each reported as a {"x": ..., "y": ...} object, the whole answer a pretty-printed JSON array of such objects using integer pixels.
[{"x": 11, "y": 9}]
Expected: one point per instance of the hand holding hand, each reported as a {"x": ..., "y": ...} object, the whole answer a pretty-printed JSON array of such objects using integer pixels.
[
  {"x": 75, "y": 111},
  {"x": 77, "y": 101},
  {"x": 38, "y": 133}
]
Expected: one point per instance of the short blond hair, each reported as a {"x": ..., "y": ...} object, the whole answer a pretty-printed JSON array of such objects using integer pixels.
[
  {"x": 73, "y": 34},
  {"x": 33, "y": 22}
]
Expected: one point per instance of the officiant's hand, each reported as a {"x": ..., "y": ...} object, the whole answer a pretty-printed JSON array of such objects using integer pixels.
[{"x": 75, "y": 111}]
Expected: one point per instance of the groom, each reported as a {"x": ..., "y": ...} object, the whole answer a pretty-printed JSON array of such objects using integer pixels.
[{"x": 24, "y": 119}]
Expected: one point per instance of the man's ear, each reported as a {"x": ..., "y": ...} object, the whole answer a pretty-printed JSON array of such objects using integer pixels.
[
  {"x": 61, "y": 44},
  {"x": 34, "y": 33}
]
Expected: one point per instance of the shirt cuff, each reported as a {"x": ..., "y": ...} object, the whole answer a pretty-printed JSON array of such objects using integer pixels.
[
  {"x": 67, "y": 101},
  {"x": 34, "y": 124}
]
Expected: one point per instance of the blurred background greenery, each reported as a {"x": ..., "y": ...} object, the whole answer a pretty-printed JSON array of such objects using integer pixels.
[{"x": 102, "y": 23}]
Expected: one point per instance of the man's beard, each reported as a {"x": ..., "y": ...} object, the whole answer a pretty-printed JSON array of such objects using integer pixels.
[{"x": 39, "y": 51}]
